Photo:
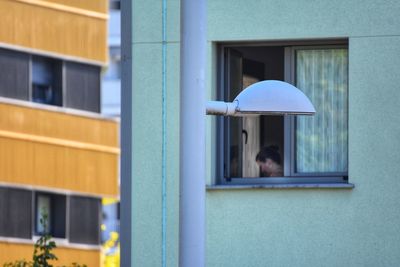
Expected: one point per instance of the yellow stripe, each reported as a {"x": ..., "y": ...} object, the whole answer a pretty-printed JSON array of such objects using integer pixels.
[
  {"x": 64, "y": 8},
  {"x": 59, "y": 142}
]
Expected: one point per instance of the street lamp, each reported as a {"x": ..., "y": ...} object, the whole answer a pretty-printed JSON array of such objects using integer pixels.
[{"x": 264, "y": 98}]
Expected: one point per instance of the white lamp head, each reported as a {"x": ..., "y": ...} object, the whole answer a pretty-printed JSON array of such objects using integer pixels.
[
  {"x": 273, "y": 97},
  {"x": 265, "y": 98}
]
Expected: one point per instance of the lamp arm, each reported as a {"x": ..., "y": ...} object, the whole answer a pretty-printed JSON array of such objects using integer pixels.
[{"x": 221, "y": 108}]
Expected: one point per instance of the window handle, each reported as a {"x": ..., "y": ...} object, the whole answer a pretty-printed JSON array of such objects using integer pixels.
[{"x": 245, "y": 136}]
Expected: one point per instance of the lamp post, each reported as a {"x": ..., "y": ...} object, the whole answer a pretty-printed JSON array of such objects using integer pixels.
[{"x": 192, "y": 134}]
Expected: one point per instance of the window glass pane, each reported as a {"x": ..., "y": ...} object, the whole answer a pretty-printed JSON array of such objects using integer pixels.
[
  {"x": 14, "y": 74},
  {"x": 115, "y": 5},
  {"x": 250, "y": 137},
  {"x": 246, "y": 137},
  {"x": 321, "y": 140},
  {"x": 82, "y": 86},
  {"x": 43, "y": 208},
  {"x": 46, "y": 81},
  {"x": 41, "y": 71},
  {"x": 84, "y": 220},
  {"x": 15, "y": 213},
  {"x": 54, "y": 206},
  {"x": 58, "y": 215}
]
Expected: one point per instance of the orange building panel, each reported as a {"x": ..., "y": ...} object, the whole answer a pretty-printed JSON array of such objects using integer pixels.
[
  {"x": 77, "y": 30},
  {"x": 14, "y": 251},
  {"x": 52, "y": 149}
]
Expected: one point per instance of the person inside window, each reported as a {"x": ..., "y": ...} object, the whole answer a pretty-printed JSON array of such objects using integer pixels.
[{"x": 269, "y": 161}]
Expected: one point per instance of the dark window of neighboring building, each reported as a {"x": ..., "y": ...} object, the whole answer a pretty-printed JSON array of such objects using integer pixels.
[
  {"x": 115, "y": 4},
  {"x": 15, "y": 213},
  {"x": 54, "y": 205},
  {"x": 84, "y": 220},
  {"x": 14, "y": 74},
  {"x": 51, "y": 81},
  {"x": 312, "y": 148},
  {"x": 46, "y": 81},
  {"x": 82, "y": 86}
]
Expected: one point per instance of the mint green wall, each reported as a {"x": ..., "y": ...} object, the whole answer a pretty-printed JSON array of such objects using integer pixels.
[
  {"x": 275, "y": 227},
  {"x": 147, "y": 133}
]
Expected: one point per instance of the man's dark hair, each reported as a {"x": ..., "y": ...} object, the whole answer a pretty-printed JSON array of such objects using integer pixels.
[{"x": 269, "y": 152}]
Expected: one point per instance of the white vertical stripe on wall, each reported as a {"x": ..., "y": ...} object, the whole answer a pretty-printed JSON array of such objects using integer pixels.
[{"x": 321, "y": 140}]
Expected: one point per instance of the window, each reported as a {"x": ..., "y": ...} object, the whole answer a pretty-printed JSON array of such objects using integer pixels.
[
  {"x": 115, "y": 5},
  {"x": 81, "y": 217},
  {"x": 51, "y": 81},
  {"x": 14, "y": 74},
  {"x": 15, "y": 210},
  {"x": 43, "y": 214},
  {"x": 82, "y": 86},
  {"x": 54, "y": 206},
  {"x": 306, "y": 148},
  {"x": 46, "y": 81},
  {"x": 74, "y": 218},
  {"x": 84, "y": 221}
]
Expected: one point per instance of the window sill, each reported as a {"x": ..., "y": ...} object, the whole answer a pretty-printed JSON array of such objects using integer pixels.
[
  {"x": 282, "y": 186},
  {"x": 59, "y": 109},
  {"x": 61, "y": 242}
]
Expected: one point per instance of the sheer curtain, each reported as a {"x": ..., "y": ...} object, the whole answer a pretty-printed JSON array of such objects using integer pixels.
[{"x": 321, "y": 140}]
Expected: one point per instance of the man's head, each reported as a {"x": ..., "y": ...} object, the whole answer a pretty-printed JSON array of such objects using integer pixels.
[
  {"x": 267, "y": 159},
  {"x": 265, "y": 167}
]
